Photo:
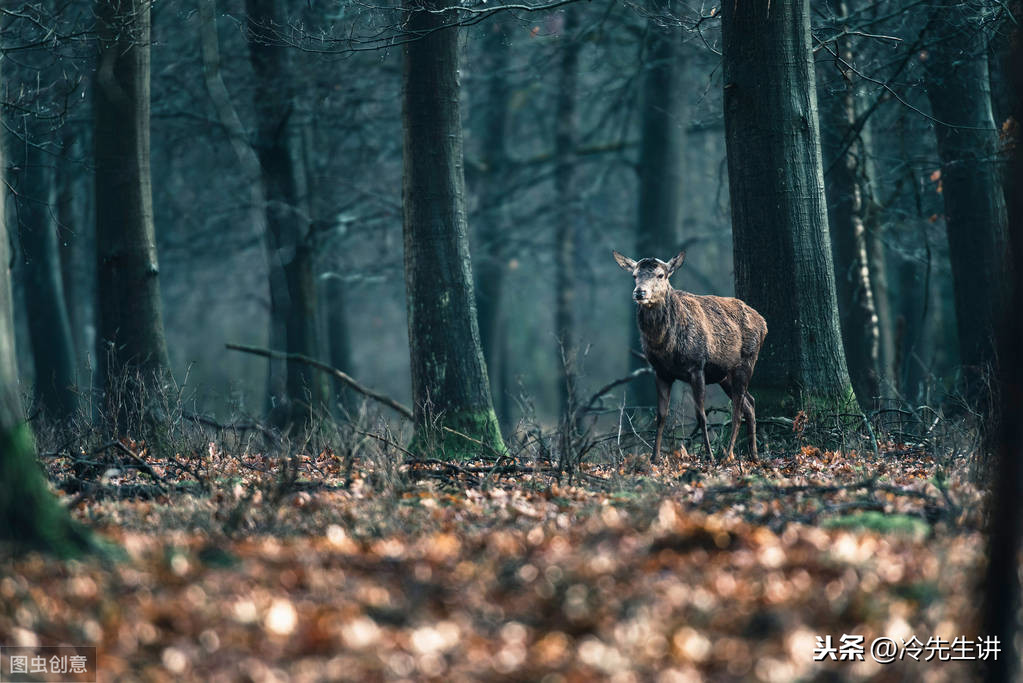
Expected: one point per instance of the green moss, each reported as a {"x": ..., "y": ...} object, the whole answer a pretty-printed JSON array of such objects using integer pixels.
[
  {"x": 784, "y": 402},
  {"x": 872, "y": 520},
  {"x": 459, "y": 435},
  {"x": 31, "y": 517}
]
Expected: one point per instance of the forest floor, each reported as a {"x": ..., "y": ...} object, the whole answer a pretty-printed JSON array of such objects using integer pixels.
[{"x": 373, "y": 569}]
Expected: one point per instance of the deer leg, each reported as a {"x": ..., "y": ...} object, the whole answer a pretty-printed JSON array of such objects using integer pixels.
[
  {"x": 699, "y": 386},
  {"x": 663, "y": 401},
  {"x": 738, "y": 406},
  {"x": 749, "y": 410}
]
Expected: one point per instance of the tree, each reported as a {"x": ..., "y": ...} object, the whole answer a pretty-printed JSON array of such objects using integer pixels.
[
  {"x": 844, "y": 154},
  {"x": 130, "y": 334},
  {"x": 564, "y": 180},
  {"x": 492, "y": 250},
  {"x": 659, "y": 211},
  {"x": 783, "y": 265},
  {"x": 49, "y": 328},
  {"x": 975, "y": 218},
  {"x": 450, "y": 388},
  {"x": 30, "y": 516},
  {"x": 289, "y": 235}
]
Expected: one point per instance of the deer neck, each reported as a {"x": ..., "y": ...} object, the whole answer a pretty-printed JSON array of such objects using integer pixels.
[{"x": 655, "y": 322}]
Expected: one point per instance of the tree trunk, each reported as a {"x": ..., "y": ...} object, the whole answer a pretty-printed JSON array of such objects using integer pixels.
[
  {"x": 1001, "y": 594},
  {"x": 565, "y": 191},
  {"x": 975, "y": 218},
  {"x": 845, "y": 192},
  {"x": 30, "y": 517},
  {"x": 130, "y": 335},
  {"x": 491, "y": 254},
  {"x": 783, "y": 265},
  {"x": 48, "y": 325},
  {"x": 449, "y": 376},
  {"x": 660, "y": 170},
  {"x": 293, "y": 290}
]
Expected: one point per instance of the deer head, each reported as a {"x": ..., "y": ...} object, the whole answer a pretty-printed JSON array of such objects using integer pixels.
[{"x": 651, "y": 274}]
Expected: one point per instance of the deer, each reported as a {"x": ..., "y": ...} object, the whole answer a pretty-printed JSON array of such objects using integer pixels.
[{"x": 699, "y": 340}]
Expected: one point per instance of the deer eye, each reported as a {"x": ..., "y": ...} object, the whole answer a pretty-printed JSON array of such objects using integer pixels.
[{"x": 660, "y": 276}]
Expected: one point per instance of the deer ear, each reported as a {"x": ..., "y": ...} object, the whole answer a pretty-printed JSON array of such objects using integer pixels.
[
  {"x": 676, "y": 263},
  {"x": 625, "y": 262}
]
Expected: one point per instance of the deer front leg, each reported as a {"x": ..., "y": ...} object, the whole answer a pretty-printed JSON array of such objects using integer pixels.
[
  {"x": 699, "y": 385},
  {"x": 663, "y": 400}
]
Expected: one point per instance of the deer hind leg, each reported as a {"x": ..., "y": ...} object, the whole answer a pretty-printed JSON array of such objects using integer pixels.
[
  {"x": 699, "y": 386},
  {"x": 663, "y": 401},
  {"x": 749, "y": 410}
]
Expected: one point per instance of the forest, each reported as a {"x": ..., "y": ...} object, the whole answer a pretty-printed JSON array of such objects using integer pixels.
[{"x": 553, "y": 340}]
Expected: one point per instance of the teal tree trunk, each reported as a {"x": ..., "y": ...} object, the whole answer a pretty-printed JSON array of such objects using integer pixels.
[
  {"x": 130, "y": 335},
  {"x": 783, "y": 265},
  {"x": 844, "y": 156},
  {"x": 491, "y": 251},
  {"x": 565, "y": 138},
  {"x": 975, "y": 217},
  {"x": 450, "y": 388},
  {"x": 289, "y": 243},
  {"x": 659, "y": 211},
  {"x": 48, "y": 324},
  {"x": 31, "y": 518}
]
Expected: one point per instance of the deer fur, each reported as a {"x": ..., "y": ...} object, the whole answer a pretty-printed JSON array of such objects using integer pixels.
[{"x": 696, "y": 339}]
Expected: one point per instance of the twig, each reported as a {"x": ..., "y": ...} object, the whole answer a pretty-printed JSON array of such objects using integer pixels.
[{"x": 330, "y": 370}]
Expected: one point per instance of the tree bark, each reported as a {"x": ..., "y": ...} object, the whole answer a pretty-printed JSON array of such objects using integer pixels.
[
  {"x": 449, "y": 376},
  {"x": 783, "y": 265},
  {"x": 565, "y": 191},
  {"x": 975, "y": 218},
  {"x": 293, "y": 286},
  {"x": 30, "y": 517},
  {"x": 845, "y": 193},
  {"x": 48, "y": 325},
  {"x": 659, "y": 211},
  {"x": 130, "y": 334}
]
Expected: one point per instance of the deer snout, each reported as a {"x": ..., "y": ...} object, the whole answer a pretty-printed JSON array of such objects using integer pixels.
[{"x": 640, "y": 294}]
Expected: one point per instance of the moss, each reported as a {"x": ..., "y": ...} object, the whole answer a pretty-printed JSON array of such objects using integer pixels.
[
  {"x": 873, "y": 520},
  {"x": 783, "y": 402},
  {"x": 459, "y": 435},
  {"x": 31, "y": 517}
]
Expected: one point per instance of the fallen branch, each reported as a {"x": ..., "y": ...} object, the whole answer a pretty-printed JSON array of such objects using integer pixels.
[{"x": 328, "y": 369}]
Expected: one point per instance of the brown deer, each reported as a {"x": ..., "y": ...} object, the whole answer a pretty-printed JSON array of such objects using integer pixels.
[{"x": 696, "y": 339}]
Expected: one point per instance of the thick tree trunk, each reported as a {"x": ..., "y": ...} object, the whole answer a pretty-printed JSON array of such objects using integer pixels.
[
  {"x": 783, "y": 265},
  {"x": 1001, "y": 593},
  {"x": 659, "y": 211},
  {"x": 30, "y": 517},
  {"x": 339, "y": 348},
  {"x": 975, "y": 217},
  {"x": 449, "y": 376},
  {"x": 565, "y": 191},
  {"x": 130, "y": 336},
  {"x": 293, "y": 290},
  {"x": 491, "y": 253},
  {"x": 845, "y": 192},
  {"x": 48, "y": 325}
]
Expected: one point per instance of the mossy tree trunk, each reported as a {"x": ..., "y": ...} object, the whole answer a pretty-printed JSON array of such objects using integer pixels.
[
  {"x": 450, "y": 388},
  {"x": 783, "y": 265},
  {"x": 130, "y": 335}
]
